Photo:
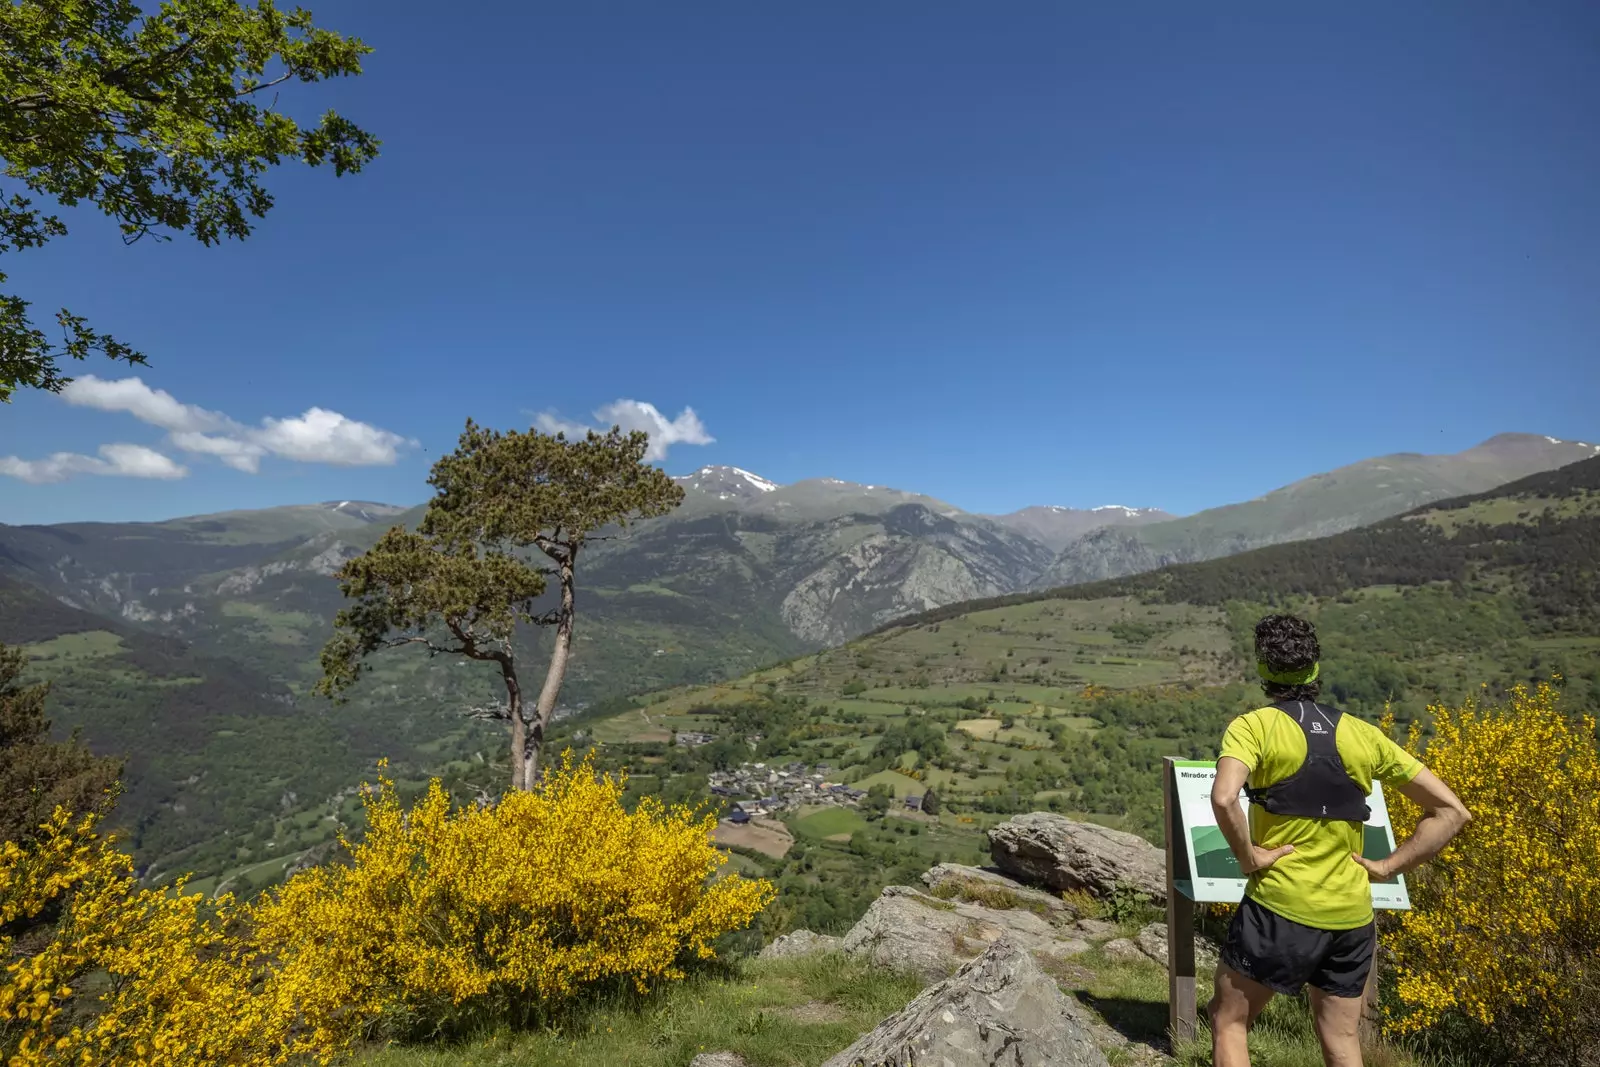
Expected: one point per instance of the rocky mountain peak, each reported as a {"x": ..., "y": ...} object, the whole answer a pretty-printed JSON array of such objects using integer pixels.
[
  {"x": 365, "y": 510},
  {"x": 1124, "y": 509},
  {"x": 727, "y": 483},
  {"x": 1056, "y": 526},
  {"x": 1503, "y": 443}
]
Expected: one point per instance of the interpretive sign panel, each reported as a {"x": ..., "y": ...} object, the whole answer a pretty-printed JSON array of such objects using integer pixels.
[{"x": 1206, "y": 869}]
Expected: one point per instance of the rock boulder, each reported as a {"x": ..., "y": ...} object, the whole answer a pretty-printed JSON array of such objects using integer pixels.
[
  {"x": 909, "y": 930},
  {"x": 1125, "y": 950},
  {"x": 1000, "y": 1010},
  {"x": 1050, "y": 850},
  {"x": 992, "y": 888},
  {"x": 1152, "y": 941},
  {"x": 799, "y": 943},
  {"x": 717, "y": 1059}
]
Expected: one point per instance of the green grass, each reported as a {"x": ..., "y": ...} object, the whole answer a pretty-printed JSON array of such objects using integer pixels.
[
  {"x": 799, "y": 1012},
  {"x": 898, "y": 783},
  {"x": 271, "y": 625},
  {"x": 1516, "y": 509},
  {"x": 1132, "y": 998},
  {"x": 95, "y": 644},
  {"x": 780, "y": 1013},
  {"x": 829, "y": 822}
]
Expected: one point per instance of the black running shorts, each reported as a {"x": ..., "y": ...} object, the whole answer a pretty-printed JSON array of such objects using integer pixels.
[{"x": 1284, "y": 955}]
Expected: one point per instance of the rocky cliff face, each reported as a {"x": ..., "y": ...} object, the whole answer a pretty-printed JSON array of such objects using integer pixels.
[
  {"x": 1057, "y": 527},
  {"x": 908, "y": 560}
]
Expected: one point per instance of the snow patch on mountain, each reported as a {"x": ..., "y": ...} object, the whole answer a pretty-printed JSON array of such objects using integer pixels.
[{"x": 755, "y": 480}]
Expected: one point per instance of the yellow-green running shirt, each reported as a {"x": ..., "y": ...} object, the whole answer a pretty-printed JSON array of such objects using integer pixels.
[{"x": 1317, "y": 884}]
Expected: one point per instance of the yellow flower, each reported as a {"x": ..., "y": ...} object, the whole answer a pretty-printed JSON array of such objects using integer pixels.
[
  {"x": 440, "y": 911},
  {"x": 1505, "y": 923}
]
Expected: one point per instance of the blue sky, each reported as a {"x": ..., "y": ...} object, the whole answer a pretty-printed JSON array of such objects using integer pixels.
[{"x": 1150, "y": 254}]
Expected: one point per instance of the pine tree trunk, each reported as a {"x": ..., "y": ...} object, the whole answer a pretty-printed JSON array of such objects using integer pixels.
[
  {"x": 519, "y": 728},
  {"x": 553, "y": 677}
]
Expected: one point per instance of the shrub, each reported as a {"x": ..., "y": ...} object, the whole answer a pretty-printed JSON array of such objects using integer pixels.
[
  {"x": 508, "y": 912},
  {"x": 512, "y": 909},
  {"x": 1084, "y": 905},
  {"x": 1126, "y": 904},
  {"x": 176, "y": 988},
  {"x": 1503, "y": 939}
]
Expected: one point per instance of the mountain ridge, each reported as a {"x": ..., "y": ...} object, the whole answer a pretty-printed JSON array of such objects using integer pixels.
[
  {"x": 822, "y": 559},
  {"x": 714, "y": 595},
  {"x": 1321, "y": 504}
]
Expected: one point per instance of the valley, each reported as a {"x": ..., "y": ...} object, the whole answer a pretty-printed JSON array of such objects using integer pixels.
[
  {"x": 1001, "y": 697},
  {"x": 1067, "y": 701}
]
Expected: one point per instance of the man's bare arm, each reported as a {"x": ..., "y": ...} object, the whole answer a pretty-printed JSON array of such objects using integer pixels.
[
  {"x": 1231, "y": 775},
  {"x": 1443, "y": 816}
]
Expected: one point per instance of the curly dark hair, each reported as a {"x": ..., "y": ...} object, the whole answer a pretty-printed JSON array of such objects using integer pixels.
[{"x": 1288, "y": 643}]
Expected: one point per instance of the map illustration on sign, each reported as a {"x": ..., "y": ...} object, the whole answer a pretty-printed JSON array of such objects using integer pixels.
[{"x": 1207, "y": 869}]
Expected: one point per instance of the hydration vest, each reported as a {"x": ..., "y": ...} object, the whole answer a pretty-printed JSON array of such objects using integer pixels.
[{"x": 1321, "y": 788}]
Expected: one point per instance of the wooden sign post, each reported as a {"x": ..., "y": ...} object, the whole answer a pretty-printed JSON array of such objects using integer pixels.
[{"x": 1181, "y": 1007}]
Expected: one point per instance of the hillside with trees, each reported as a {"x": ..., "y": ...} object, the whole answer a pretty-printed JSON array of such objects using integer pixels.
[{"x": 1069, "y": 700}]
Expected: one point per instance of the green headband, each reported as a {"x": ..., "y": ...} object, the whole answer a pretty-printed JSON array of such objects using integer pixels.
[{"x": 1303, "y": 676}]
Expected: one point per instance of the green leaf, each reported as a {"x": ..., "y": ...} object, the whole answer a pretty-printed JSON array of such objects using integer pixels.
[{"x": 164, "y": 120}]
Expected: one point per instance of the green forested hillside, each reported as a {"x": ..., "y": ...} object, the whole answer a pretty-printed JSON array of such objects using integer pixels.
[
  {"x": 1069, "y": 700},
  {"x": 1323, "y": 504},
  {"x": 1063, "y": 699},
  {"x": 222, "y": 764}
]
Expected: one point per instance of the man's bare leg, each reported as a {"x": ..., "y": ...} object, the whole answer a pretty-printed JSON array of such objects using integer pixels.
[
  {"x": 1338, "y": 1022},
  {"x": 1235, "y": 1003}
]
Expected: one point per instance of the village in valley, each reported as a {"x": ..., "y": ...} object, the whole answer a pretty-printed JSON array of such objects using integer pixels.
[{"x": 759, "y": 789}]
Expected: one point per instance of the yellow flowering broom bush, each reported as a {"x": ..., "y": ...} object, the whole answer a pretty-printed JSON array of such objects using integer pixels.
[
  {"x": 127, "y": 975},
  {"x": 1504, "y": 929},
  {"x": 503, "y": 910}
]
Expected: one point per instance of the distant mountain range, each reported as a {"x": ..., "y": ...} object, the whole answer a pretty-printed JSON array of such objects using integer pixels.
[
  {"x": 1322, "y": 504},
  {"x": 787, "y": 567},
  {"x": 746, "y": 573}
]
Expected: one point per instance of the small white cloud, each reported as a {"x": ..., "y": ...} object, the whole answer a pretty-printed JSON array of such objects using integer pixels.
[
  {"x": 240, "y": 455},
  {"x": 155, "y": 406},
  {"x": 116, "y": 460},
  {"x": 686, "y": 429},
  {"x": 321, "y": 436},
  {"x": 318, "y": 436}
]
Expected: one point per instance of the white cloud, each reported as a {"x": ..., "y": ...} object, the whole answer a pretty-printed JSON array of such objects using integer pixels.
[
  {"x": 240, "y": 455},
  {"x": 117, "y": 460},
  {"x": 686, "y": 429},
  {"x": 155, "y": 406},
  {"x": 321, "y": 436},
  {"x": 318, "y": 436}
]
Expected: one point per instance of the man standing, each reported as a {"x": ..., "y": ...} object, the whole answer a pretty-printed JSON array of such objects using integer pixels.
[{"x": 1307, "y": 914}]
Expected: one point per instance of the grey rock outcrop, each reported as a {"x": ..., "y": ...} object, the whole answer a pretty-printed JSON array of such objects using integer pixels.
[
  {"x": 717, "y": 1059},
  {"x": 909, "y": 930},
  {"x": 798, "y": 943},
  {"x": 1000, "y": 1010},
  {"x": 1152, "y": 941},
  {"x": 1052, "y": 850},
  {"x": 1094, "y": 929},
  {"x": 981, "y": 885},
  {"x": 1125, "y": 950}
]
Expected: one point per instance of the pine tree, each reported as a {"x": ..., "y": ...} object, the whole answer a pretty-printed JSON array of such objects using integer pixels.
[{"x": 463, "y": 572}]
